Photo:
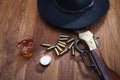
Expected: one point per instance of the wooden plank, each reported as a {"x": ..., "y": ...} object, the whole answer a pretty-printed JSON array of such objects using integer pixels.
[{"x": 20, "y": 19}]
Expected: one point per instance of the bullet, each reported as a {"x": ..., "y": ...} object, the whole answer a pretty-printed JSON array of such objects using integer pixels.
[
  {"x": 63, "y": 39},
  {"x": 51, "y": 47},
  {"x": 45, "y": 45},
  {"x": 56, "y": 51},
  {"x": 58, "y": 48},
  {"x": 70, "y": 40},
  {"x": 62, "y": 42},
  {"x": 64, "y": 36},
  {"x": 61, "y": 45},
  {"x": 73, "y": 51},
  {"x": 64, "y": 51},
  {"x": 70, "y": 46}
]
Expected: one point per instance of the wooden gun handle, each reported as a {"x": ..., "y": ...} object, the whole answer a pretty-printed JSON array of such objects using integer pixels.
[{"x": 101, "y": 67}]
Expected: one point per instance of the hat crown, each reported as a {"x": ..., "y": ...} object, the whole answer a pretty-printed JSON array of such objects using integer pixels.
[{"x": 73, "y": 5}]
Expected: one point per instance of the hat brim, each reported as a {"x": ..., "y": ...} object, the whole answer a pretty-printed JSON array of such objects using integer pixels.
[{"x": 50, "y": 12}]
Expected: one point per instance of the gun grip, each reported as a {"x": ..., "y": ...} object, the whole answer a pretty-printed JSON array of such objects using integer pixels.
[{"x": 100, "y": 65}]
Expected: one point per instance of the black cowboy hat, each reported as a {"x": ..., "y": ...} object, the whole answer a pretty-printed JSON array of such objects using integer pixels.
[{"x": 72, "y": 14}]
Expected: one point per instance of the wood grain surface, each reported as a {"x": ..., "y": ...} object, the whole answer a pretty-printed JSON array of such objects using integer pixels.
[{"x": 20, "y": 19}]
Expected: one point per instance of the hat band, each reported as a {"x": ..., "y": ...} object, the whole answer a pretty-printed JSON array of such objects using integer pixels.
[{"x": 81, "y": 10}]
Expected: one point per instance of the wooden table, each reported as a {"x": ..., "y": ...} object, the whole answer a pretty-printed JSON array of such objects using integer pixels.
[{"x": 20, "y": 18}]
